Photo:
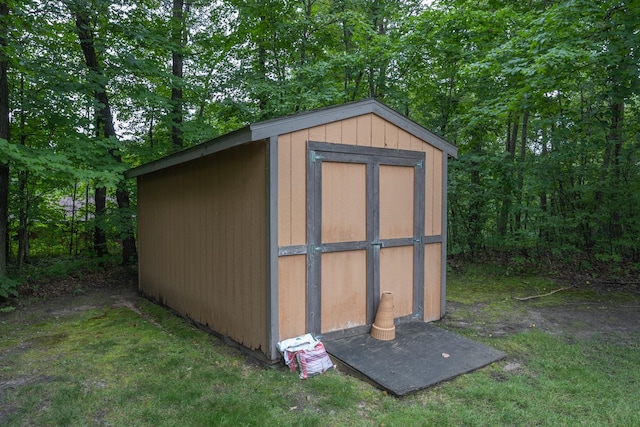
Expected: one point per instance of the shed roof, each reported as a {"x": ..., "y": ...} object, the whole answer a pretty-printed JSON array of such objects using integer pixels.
[{"x": 274, "y": 127}]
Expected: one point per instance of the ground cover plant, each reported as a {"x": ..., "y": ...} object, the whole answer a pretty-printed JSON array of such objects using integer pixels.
[{"x": 106, "y": 356}]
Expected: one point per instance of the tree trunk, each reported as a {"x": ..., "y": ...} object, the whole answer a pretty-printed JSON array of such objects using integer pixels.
[
  {"x": 177, "y": 39},
  {"x": 377, "y": 83},
  {"x": 129, "y": 253},
  {"x": 106, "y": 127},
  {"x": 72, "y": 228},
  {"x": 523, "y": 151},
  {"x": 544, "y": 230},
  {"x": 476, "y": 205},
  {"x": 307, "y": 6},
  {"x": 23, "y": 192},
  {"x": 99, "y": 234},
  {"x": 505, "y": 205},
  {"x": 23, "y": 219},
  {"x": 261, "y": 68},
  {"x": 615, "y": 142},
  {"x": 4, "y": 134}
]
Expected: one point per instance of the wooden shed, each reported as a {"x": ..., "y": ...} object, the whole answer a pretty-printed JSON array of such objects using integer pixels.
[{"x": 297, "y": 225}]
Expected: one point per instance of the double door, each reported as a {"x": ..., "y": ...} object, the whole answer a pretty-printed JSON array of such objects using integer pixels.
[{"x": 365, "y": 222}]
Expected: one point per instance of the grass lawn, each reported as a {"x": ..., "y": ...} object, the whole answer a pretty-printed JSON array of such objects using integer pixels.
[{"x": 138, "y": 364}]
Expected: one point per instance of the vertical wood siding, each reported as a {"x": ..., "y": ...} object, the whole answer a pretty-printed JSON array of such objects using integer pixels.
[
  {"x": 396, "y": 221},
  {"x": 292, "y": 270},
  {"x": 344, "y": 219},
  {"x": 396, "y": 207},
  {"x": 344, "y": 290},
  {"x": 433, "y": 192},
  {"x": 396, "y": 275},
  {"x": 371, "y": 131},
  {"x": 432, "y": 276},
  {"x": 202, "y": 238},
  {"x": 344, "y": 202}
]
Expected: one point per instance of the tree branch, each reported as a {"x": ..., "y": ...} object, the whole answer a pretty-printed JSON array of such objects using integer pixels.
[{"x": 543, "y": 295}]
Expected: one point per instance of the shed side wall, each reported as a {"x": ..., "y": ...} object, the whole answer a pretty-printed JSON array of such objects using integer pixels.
[{"x": 202, "y": 238}]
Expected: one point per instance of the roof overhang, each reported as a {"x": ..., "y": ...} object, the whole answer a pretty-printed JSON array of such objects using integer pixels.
[{"x": 279, "y": 126}]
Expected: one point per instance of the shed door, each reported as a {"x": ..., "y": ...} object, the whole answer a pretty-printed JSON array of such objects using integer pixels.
[{"x": 365, "y": 221}]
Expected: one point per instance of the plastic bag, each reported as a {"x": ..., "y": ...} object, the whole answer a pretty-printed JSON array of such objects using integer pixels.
[
  {"x": 306, "y": 353},
  {"x": 313, "y": 361},
  {"x": 290, "y": 347}
]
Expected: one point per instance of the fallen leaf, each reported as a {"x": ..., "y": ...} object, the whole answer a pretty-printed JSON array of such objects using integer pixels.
[{"x": 511, "y": 366}]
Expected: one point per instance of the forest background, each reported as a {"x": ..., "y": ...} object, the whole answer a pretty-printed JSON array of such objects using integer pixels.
[{"x": 540, "y": 96}]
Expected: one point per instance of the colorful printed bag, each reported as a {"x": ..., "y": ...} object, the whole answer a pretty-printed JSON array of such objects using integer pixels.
[{"x": 313, "y": 362}]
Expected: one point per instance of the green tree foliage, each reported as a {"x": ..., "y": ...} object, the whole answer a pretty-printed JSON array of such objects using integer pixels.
[
  {"x": 541, "y": 98},
  {"x": 566, "y": 78},
  {"x": 4, "y": 134}
]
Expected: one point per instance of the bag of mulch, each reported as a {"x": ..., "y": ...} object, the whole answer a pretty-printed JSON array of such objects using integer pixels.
[
  {"x": 313, "y": 361},
  {"x": 290, "y": 348}
]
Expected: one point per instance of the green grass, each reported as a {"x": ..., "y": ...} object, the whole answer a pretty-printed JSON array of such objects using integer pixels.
[
  {"x": 494, "y": 284},
  {"x": 147, "y": 367}
]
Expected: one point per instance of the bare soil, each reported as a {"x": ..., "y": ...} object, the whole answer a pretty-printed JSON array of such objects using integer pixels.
[
  {"x": 612, "y": 314},
  {"x": 59, "y": 298}
]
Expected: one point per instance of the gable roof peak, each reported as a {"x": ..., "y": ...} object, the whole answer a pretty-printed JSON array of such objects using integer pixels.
[{"x": 278, "y": 126}]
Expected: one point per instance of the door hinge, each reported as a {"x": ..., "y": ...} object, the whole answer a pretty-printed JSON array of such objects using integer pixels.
[{"x": 313, "y": 156}]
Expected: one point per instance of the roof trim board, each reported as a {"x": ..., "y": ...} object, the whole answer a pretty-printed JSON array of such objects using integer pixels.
[
  {"x": 221, "y": 143},
  {"x": 274, "y": 127}
]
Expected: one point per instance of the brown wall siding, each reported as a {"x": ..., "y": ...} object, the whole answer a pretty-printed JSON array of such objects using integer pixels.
[
  {"x": 292, "y": 271},
  {"x": 371, "y": 131},
  {"x": 368, "y": 130},
  {"x": 344, "y": 290},
  {"x": 202, "y": 238},
  {"x": 396, "y": 275},
  {"x": 432, "y": 276},
  {"x": 433, "y": 192},
  {"x": 396, "y": 207},
  {"x": 344, "y": 185},
  {"x": 292, "y": 193}
]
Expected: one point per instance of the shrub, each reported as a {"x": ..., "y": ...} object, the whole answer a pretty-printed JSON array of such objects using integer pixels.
[{"x": 8, "y": 287}]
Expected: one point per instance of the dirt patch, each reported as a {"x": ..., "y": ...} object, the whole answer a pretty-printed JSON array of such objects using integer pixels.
[
  {"x": 13, "y": 384},
  {"x": 606, "y": 318},
  {"x": 22, "y": 381},
  {"x": 54, "y": 300},
  {"x": 113, "y": 288},
  {"x": 614, "y": 314},
  {"x": 587, "y": 320}
]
